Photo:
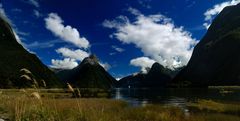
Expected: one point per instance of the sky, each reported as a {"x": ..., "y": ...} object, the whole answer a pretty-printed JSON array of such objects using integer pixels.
[{"x": 126, "y": 35}]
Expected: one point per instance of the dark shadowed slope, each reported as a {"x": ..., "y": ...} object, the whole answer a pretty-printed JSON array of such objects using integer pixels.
[
  {"x": 14, "y": 57},
  {"x": 88, "y": 74},
  {"x": 132, "y": 81},
  {"x": 157, "y": 77},
  {"x": 216, "y": 58}
]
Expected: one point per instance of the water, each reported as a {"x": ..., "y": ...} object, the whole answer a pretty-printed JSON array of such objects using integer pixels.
[{"x": 173, "y": 97}]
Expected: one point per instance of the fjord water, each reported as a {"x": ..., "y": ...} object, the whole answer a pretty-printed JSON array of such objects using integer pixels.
[
  {"x": 175, "y": 97},
  {"x": 137, "y": 97}
]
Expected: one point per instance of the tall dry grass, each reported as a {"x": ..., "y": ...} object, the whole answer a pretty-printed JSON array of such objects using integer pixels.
[{"x": 21, "y": 107}]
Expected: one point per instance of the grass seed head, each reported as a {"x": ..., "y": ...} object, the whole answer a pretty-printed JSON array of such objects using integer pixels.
[
  {"x": 36, "y": 95},
  {"x": 70, "y": 88}
]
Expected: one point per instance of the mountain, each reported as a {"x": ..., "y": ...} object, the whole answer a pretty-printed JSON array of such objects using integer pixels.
[
  {"x": 133, "y": 81},
  {"x": 215, "y": 59},
  {"x": 158, "y": 76},
  {"x": 88, "y": 74},
  {"x": 13, "y": 57}
]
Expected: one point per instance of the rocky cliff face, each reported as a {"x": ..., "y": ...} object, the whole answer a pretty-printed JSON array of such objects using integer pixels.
[
  {"x": 216, "y": 58},
  {"x": 13, "y": 57}
]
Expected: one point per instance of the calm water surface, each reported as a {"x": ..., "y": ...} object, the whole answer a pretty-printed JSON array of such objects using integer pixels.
[{"x": 174, "y": 97}]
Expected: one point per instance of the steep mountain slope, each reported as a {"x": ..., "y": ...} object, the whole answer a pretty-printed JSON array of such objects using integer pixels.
[
  {"x": 89, "y": 74},
  {"x": 216, "y": 58},
  {"x": 14, "y": 57}
]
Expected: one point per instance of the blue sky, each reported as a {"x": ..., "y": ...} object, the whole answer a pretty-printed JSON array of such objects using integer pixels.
[{"x": 126, "y": 35}]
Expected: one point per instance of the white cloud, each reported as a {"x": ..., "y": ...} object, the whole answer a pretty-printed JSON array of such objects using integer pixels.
[
  {"x": 74, "y": 54},
  {"x": 4, "y": 15},
  {"x": 113, "y": 53},
  {"x": 142, "y": 62},
  {"x": 118, "y": 49},
  {"x": 118, "y": 78},
  {"x": 33, "y": 2},
  {"x": 71, "y": 57},
  {"x": 2, "y": 11},
  {"x": 105, "y": 65},
  {"x": 66, "y": 63},
  {"x": 156, "y": 36},
  {"x": 145, "y": 3},
  {"x": 215, "y": 10},
  {"x": 37, "y": 13},
  {"x": 37, "y": 45},
  {"x": 69, "y": 34}
]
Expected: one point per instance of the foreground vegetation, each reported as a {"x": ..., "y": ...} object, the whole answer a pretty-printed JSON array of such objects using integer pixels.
[{"x": 23, "y": 105}]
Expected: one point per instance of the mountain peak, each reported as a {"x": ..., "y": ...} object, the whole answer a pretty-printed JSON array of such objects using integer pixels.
[
  {"x": 89, "y": 74},
  {"x": 156, "y": 65},
  {"x": 92, "y": 59}
]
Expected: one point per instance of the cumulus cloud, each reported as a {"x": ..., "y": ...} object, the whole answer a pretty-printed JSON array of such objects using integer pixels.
[
  {"x": 54, "y": 23},
  {"x": 118, "y": 49},
  {"x": 66, "y": 63},
  {"x": 215, "y": 10},
  {"x": 142, "y": 62},
  {"x": 72, "y": 57},
  {"x": 156, "y": 36},
  {"x": 67, "y": 33},
  {"x": 73, "y": 54}
]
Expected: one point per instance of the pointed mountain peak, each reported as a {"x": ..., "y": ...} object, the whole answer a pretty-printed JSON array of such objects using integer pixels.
[
  {"x": 92, "y": 59},
  {"x": 157, "y": 67}
]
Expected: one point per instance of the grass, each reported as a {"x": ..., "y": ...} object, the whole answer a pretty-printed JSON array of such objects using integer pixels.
[
  {"x": 215, "y": 107},
  {"x": 19, "y": 106}
]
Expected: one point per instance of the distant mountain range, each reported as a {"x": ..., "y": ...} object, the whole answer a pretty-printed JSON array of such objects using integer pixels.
[
  {"x": 88, "y": 74},
  {"x": 157, "y": 77},
  {"x": 13, "y": 57},
  {"x": 216, "y": 58},
  {"x": 215, "y": 61}
]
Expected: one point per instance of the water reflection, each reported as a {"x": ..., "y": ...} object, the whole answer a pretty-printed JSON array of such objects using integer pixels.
[{"x": 172, "y": 97}]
